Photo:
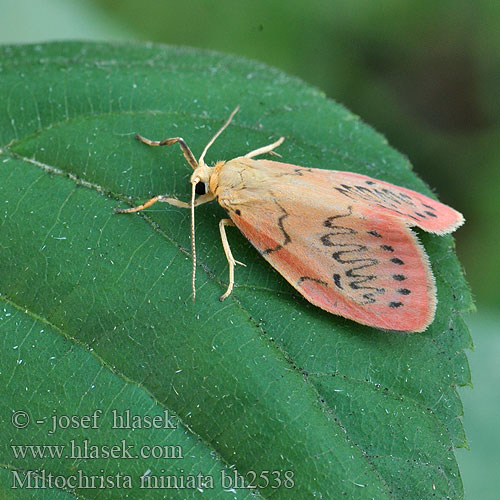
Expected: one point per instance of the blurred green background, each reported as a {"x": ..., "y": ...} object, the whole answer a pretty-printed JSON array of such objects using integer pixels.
[{"x": 424, "y": 73}]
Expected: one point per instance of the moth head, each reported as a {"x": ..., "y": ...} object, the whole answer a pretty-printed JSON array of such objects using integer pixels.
[{"x": 200, "y": 179}]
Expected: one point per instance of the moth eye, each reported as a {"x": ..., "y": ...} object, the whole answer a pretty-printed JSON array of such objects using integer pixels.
[{"x": 201, "y": 188}]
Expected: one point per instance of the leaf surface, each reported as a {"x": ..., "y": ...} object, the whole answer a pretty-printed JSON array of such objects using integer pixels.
[{"x": 97, "y": 309}]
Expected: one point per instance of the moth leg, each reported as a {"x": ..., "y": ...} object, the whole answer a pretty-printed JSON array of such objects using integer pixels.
[
  {"x": 168, "y": 142},
  {"x": 229, "y": 256},
  {"x": 204, "y": 198},
  {"x": 265, "y": 149}
]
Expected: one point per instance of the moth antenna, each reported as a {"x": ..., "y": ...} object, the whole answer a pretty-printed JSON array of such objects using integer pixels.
[
  {"x": 193, "y": 244},
  {"x": 219, "y": 132}
]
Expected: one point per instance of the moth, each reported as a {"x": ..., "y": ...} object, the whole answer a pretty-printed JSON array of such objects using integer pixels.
[{"x": 341, "y": 239}]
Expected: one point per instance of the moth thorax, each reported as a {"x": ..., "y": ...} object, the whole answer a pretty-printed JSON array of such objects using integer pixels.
[{"x": 214, "y": 176}]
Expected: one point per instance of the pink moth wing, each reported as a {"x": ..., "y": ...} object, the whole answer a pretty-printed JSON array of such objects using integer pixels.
[{"x": 343, "y": 240}]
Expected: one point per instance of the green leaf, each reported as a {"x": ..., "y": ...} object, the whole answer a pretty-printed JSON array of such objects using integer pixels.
[{"x": 97, "y": 311}]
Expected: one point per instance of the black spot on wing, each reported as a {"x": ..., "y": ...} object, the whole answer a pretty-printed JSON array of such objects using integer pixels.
[
  {"x": 395, "y": 304},
  {"x": 300, "y": 171},
  {"x": 397, "y": 261},
  {"x": 336, "y": 280},
  {"x": 308, "y": 278}
]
